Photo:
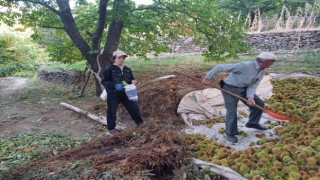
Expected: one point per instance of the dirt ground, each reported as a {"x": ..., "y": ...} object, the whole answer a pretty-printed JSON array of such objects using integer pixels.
[
  {"x": 34, "y": 108},
  {"x": 26, "y": 116},
  {"x": 19, "y": 114}
]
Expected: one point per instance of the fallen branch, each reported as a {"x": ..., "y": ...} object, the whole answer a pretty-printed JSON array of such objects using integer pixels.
[
  {"x": 220, "y": 170},
  {"x": 100, "y": 119},
  {"x": 85, "y": 113}
]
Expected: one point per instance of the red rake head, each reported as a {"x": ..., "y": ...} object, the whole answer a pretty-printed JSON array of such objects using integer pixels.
[{"x": 280, "y": 116}]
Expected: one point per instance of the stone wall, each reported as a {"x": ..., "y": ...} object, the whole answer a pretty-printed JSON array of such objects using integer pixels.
[
  {"x": 290, "y": 40},
  {"x": 266, "y": 41},
  {"x": 66, "y": 77}
]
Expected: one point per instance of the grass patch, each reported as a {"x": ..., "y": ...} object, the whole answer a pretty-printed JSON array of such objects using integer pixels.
[
  {"x": 306, "y": 62},
  {"x": 287, "y": 63},
  {"x": 77, "y": 66}
]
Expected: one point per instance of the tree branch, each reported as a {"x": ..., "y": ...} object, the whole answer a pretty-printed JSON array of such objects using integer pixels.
[
  {"x": 40, "y": 3},
  {"x": 242, "y": 4},
  {"x": 51, "y": 27},
  {"x": 96, "y": 38}
]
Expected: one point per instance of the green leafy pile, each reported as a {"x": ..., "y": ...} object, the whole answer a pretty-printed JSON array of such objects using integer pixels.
[{"x": 19, "y": 149}]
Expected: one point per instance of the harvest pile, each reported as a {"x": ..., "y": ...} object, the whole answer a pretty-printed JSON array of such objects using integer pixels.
[
  {"x": 295, "y": 97},
  {"x": 294, "y": 154}
]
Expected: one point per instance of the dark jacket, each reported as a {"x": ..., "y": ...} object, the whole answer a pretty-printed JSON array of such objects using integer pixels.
[{"x": 113, "y": 75}]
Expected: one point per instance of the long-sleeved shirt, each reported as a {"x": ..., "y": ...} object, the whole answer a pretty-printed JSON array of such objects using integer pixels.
[
  {"x": 113, "y": 75},
  {"x": 245, "y": 75}
]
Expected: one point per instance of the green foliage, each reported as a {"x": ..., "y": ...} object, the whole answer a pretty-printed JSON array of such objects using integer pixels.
[
  {"x": 146, "y": 28},
  {"x": 19, "y": 55},
  {"x": 76, "y": 66},
  {"x": 201, "y": 19},
  {"x": 21, "y": 148},
  {"x": 16, "y": 69}
]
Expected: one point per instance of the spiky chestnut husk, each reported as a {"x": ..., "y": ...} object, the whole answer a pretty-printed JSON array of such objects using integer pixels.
[
  {"x": 257, "y": 177},
  {"x": 259, "y": 165},
  {"x": 264, "y": 170},
  {"x": 245, "y": 161},
  {"x": 224, "y": 161},
  {"x": 238, "y": 160},
  {"x": 284, "y": 153},
  {"x": 264, "y": 160},
  {"x": 277, "y": 164},
  {"x": 216, "y": 161},
  {"x": 305, "y": 177},
  {"x": 311, "y": 166},
  {"x": 303, "y": 173},
  {"x": 279, "y": 145},
  {"x": 312, "y": 173},
  {"x": 255, "y": 172},
  {"x": 260, "y": 154},
  {"x": 221, "y": 131},
  {"x": 253, "y": 165},
  {"x": 244, "y": 134},
  {"x": 235, "y": 154},
  {"x": 302, "y": 156},
  {"x": 311, "y": 160},
  {"x": 292, "y": 163},
  {"x": 285, "y": 169},
  {"x": 300, "y": 162},
  {"x": 315, "y": 143},
  {"x": 286, "y": 159},
  {"x": 221, "y": 155},
  {"x": 293, "y": 168},
  {"x": 295, "y": 175},
  {"x": 272, "y": 170},
  {"x": 276, "y": 150},
  {"x": 234, "y": 167},
  {"x": 244, "y": 169},
  {"x": 247, "y": 176},
  {"x": 248, "y": 151},
  {"x": 277, "y": 177},
  {"x": 243, "y": 156},
  {"x": 275, "y": 123},
  {"x": 262, "y": 135},
  {"x": 210, "y": 125},
  {"x": 231, "y": 161},
  {"x": 307, "y": 150}
]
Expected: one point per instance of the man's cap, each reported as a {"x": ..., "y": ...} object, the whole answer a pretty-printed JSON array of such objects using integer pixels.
[
  {"x": 267, "y": 56},
  {"x": 119, "y": 53}
]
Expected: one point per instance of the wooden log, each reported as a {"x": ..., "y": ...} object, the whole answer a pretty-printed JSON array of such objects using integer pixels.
[
  {"x": 220, "y": 170},
  {"x": 100, "y": 119},
  {"x": 83, "y": 112}
]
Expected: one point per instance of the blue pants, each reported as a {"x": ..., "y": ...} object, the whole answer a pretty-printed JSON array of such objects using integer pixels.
[
  {"x": 231, "y": 104},
  {"x": 131, "y": 106}
]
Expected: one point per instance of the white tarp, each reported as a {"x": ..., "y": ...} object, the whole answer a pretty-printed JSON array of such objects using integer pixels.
[{"x": 209, "y": 103}]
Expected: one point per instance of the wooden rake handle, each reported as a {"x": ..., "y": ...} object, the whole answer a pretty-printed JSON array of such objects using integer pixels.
[
  {"x": 237, "y": 96},
  {"x": 217, "y": 86},
  {"x": 275, "y": 115}
]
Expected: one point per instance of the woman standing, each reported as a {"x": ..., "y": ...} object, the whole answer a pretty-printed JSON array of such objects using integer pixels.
[{"x": 114, "y": 78}]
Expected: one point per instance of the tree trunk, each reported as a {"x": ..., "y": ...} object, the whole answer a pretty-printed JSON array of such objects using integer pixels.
[
  {"x": 253, "y": 16},
  {"x": 113, "y": 38}
]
